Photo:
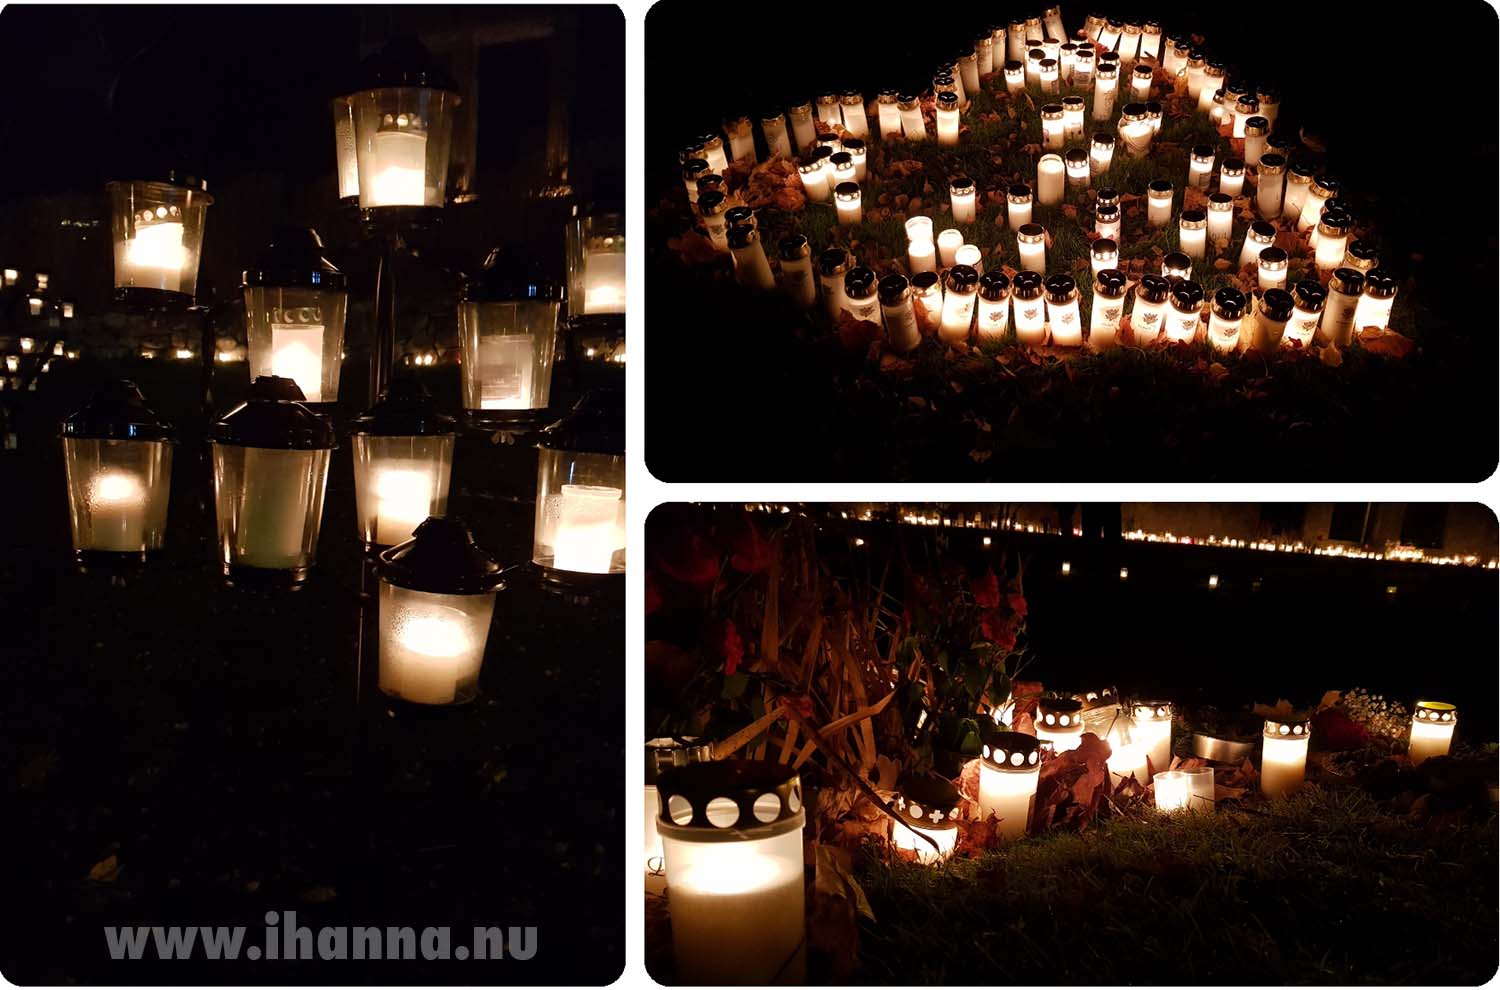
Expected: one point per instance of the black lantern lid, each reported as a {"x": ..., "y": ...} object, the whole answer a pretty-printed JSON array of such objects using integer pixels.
[
  {"x": 403, "y": 62},
  {"x": 173, "y": 177},
  {"x": 1229, "y": 303},
  {"x": 274, "y": 417},
  {"x": 442, "y": 558},
  {"x": 404, "y": 409},
  {"x": 508, "y": 277},
  {"x": 927, "y": 800},
  {"x": 764, "y": 793},
  {"x": 665, "y": 752},
  {"x": 294, "y": 258},
  {"x": 1176, "y": 260},
  {"x": 117, "y": 411},
  {"x": 963, "y": 278},
  {"x": 595, "y": 425}
]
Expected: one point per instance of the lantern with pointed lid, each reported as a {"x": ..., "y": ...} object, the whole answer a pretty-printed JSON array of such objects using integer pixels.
[
  {"x": 1432, "y": 725},
  {"x": 403, "y": 458},
  {"x": 507, "y": 324},
  {"x": 402, "y": 110},
  {"x": 1010, "y": 764},
  {"x": 580, "y": 498},
  {"x": 1283, "y": 754},
  {"x": 437, "y": 597},
  {"x": 270, "y": 457},
  {"x": 731, "y": 834},
  {"x": 118, "y": 456},
  {"x": 295, "y": 302},
  {"x": 927, "y": 806},
  {"x": 157, "y": 229}
]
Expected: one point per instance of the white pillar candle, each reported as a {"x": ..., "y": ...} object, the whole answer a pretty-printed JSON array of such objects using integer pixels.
[
  {"x": 1107, "y": 221},
  {"x": 796, "y": 270},
  {"x": 993, "y": 319},
  {"x": 1073, "y": 118},
  {"x": 1171, "y": 788},
  {"x": 1148, "y": 311},
  {"x": 403, "y": 500},
  {"x": 1333, "y": 240},
  {"x": 400, "y": 158},
  {"x": 1015, "y": 40},
  {"x": 1270, "y": 177},
  {"x": 430, "y": 649},
  {"x": 778, "y": 143},
  {"x": 1244, "y": 108},
  {"x": 1226, "y": 318},
  {"x": 116, "y": 506},
  {"x": 751, "y": 268},
  {"x": 1185, "y": 312},
  {"x": 741, "y": 139},
  {"x": 1283, "y": 757},
  {"x": 830, "y": 111},
  {"x": 947, "y": 119},
  {"x": 1050, "y": 179},
  {"x": 984, "y": 55},
  {"x": 587, "y": 535},
  {"x": 898, "y": 313},
  {"x": 1129, "y": 45},
  {"x": 1052, "y": 126},
  {"x": 1106, "y": 77},
  {"x": 1192, "y": 233},
  {"x": 833, "y": 265},
  {"x": 1174, "y": 56},
  {"x": 921, "y": 256},
  {"x": 1232, "y": 177},
  {"x": 962, "y": 196},
  {"x": 1083, "y": 70},
  {"x": 1030, "y": 314},
  {"x": 1107, "y": 308},
  {"x": 692, "y": 171},
  {"x": 1196, "y": 64},
  {"x": 1033, "y": 63},
  {"x": 1140, "y": 81},
  {"x": 1053, "y": 22},
  {"x": 814, "y": 180},
  {"x": 1270, "y": 104},
  {"x": 968, "y": 73},
  {"x": 1092, "y": 26},
  {"x": 804, "y": 131},
  {"x": 860, "y": 298},
  {"x": 1109, "y": 34},
  {"x": 713, "y": 205},
  {"x": 1273, "y": 313},
  {"x": 1362, "y": 256},
  {"x": 1432, "y": 726},
  {"x": 1063, "y": 317},
  {"x": 1220, "y": 218},
  {"x": 1260, "y": 236},
  {"x": 960, "y": 290},
  {"x": 1375, "y": 302},
  {"x": 275, "y": 502},
  {"x": 849, "y": 201},
  {"x": 1135, "y": 130},
  {"x": 1008, "y": 771},
  {"x": 1344, "y": 290},
  {"x": 1101, "y": 153},
  {"x": 1200, "y": 785},
  {"x": 1256, "y": 129},
  {"x": 1076, "y": 163},
  {"x": 1047, "y": 76},
  {"x": 603, "y": 285},
  {"x": 713, "y": 150},
  {"x": 1159, "y": 203},
  {"x": 855, "y": 149},
  {"x": 1319, "y": 192},
  {"x": 1298, "y": 180},
  {"x": 1271, "y": 268},
  {"x": 1151, "y": 40},
  {"x": 948, "y": 243},
  {"x": 1210, "y": 84},
  {"x": 1015, "y": 77},
  {"x": 927, "y": 292},
  {"x": 888, "y": 115},
  {"x": 1031, "y": 241},
  {"x": 856, "y": 122},
  {"x": 969, "y": 254},
  {"x": 1018, "y": 205},
  {"x": 1153, "y": 730},
  {"x": 1200, "y": 166}
]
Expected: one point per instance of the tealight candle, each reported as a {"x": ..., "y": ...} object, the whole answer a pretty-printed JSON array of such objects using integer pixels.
[
  {"x": 1140, "y": 81},
  {"x": 927, "y": 292},
  {"x": 1192, "y": 232},
  {"x": 848, "y": 199},
  {"x": 1308, "y": 300},
  {"x": 1226, "y": 318},
  {"x": 1299, "y": 180},
  {"x": 1260, "y": 236},
  {"x": 833, "y": 265},
  {"x": 1200, "y": 784},
  {"x": 751, "y": 269},
  {"x": 948, "y": 243},
  {"x": 1432, "y": 725},
  {"x": 1052, "y": 126},
  {"x": 1050, "y": 179},
  {"x": 773, "y": 128},
  {"x": 1149, "y": 309},
  {"x": 1030, "y": 316},
  {"x": 1171, "y": 787},
  {"x": 1232, "y": 176},
  {"x": 927, "y": 817},
  {"x": 1062, "y": 311},
  {"x": 814, "y": 179},
  {"x": 1108, "y": 306},
  {"x": 803, "y": 129},
  {"x": 969, "y": 254},
  {"x": 900, "y": 318},
  {"x": 1283, "y": 757},
  {"x": 1048, "y": 75},
  {"x": 1008, "y": 772},
  {"x": 1319, "y": 192},
  {"x": 1031, "y": 242},
  {"x": 1271, "y": 176},
  {"x": 1015, "y": 76},
  {"x": 1333, "y": 239},
  {"x": 1345, "y": 287},
  {"x": 962, "y": 196},
  {"x": 1107, "y": 221},
  {"x": 1018, "y": 205},
  {"x": 1104, "y": 253},
  {"x": 960, "y": 291},
  {"x": 1374, "y": 309},
  {"x": 993, "y": 320},
  {"x": 861, "y": 300},
  {"x": 856, "y": 123},
  {"x": 1220, "y": 219},
  {"x": 830, "y": 110},
  {"x": 947, "y": 118},
  {"x": 1271, "y": 268},
  {"x": 1200, "y": 165},
  {"x": 1176, "y": 266},
  {"x": 713, "y": 205},
  {"x": 912, "y": 124},
  {"x": 796, "y": 270},
  {"x": 888, "y": 115},
  {"x": 921, "y": 253},
  {"x": 1105, "y": 79},
  {"x": 1186, "y": 311},
  {"x": 1135, "y": 130}
]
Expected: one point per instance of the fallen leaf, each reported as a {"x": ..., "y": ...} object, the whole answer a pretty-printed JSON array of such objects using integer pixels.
[{"x": 106, "y": 870}]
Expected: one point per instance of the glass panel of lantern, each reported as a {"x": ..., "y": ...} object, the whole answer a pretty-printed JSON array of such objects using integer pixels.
[
  {"x": 437, "y": 597},
  {"x": 295, "y": 303},
  {"x": 731, "y": 834},
  {"x": 927, "y": 809},
  {"x": 270, "y": 457},
  {"x": 580, "y": 497},
  {"x": 403, "y": 459},
  {"x": 403, "y": 113},
  {"x": 157, "y": 229},
  {"x": 662, "y": 754},
  {"x": 118, "y": 457},
  {"x": 346, "y": 155},
  {"x": 507, "y": 324},
  {"x": 596, "y": 266}
]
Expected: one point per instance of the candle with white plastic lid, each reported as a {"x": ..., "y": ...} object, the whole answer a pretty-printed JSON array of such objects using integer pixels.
[
  {"x": 1076, "y": 163},
  {"x": 1135, "y": 130},
  {"x": 856, "y": 123},
  {"x": 1050, "y": 180},
  {"x": 947, "y": 118},
  {"x": 1031, "y": 241},
  {"x": 1270, "y": 180},
  {"x": 403, "y": 460},
  {"x": 1062, "y": 311},
  {"x": 1283, "y": 755},
  {"x": 796, "y": 270},
  {"x": 833, "y": 265},
  {"x": 1149, "y": 309},
  {"x": 1299, "y": 179},
  {"x": 1192, "y": 233},
  {"x": 1018, "y": 205},
  {"x": 1319, "y": 191},
  {"x": 888, "y": 115},
  {"x": 1273, "y": 313},
  {"x": 993, "y": 320},
  {"x": 804, "y": 131},
  {"x": 1104, "y": 253},
  {"x": 1333, "y": 239},
  {"x": 1432, "y": 725},
  {"x": 1309, "y": 299},
  {"x": 1159, "y": 203},
  {"x": 927, "y": 292},
  {"x": 849, "y": 201},
  {"x": 948, "y": 243},
  {"x": 962, "y": 196},
  {"x": 1345, "y": 287},
  {"x": 969, "y": 254},
  {"x": 1008, "y": 771},
  {"x": 1232, "y": 176},
  {"x": 1375, "y": 302},
  {"x": 960, "y": 291},
  {"x": 1271, "y": 268},
  {"x": 713, "y": 205},
  {"x": 912, "y": 124},
  {"x": 860, "y": 298},
  {"x": 1260, "y": 236},
  {"x": 1108, "y": 307},
  {"x": 1176, "y": 266},
  {"x": 1015, "y": 76},
  {"x": 1185, "y": 312},
  {"x": 751, "y": 268},
  {"x": 1030, "y": 310},
  {"x": 1052, "y": 126},
  {"x": 897, "y": 311},
  {"x": 1200, "y": 165},
  {"x": 1101, "y": 152},
  {"x": 1106, "y": 77},
  {"x": 1362, "y": 256},
  {"x": 1220, "y": 219},
  {"x": 1225, "y": 319}
]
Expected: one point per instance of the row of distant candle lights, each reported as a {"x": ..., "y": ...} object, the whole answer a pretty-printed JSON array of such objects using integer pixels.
[
  {"x": 946, "y": 276},
  {"x": 734, "y": 881}
]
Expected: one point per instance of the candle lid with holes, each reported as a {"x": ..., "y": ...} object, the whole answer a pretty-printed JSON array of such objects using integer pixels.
[
  {"x": 1262, "y": 232},
  {"x": 1153, "y": 288},
  {"x": 926, "y": 800},
  {"x": 665, "y": 752},
  {"x": 441, "y": 558},
  {"x": 1102, "y": 698},
  {"x": 273, "y": 416},
  {"x": 740, "y": 216},
  {"x": 1192, "y": 219},
  {"x": 962, "y": 278},
  {"x": 1076, "y": 158},
  {"x": 1273, "y": 258},
  {"x": 1187, "y": 296},
  {"x": 172, "y": 177},
  {"x": 1435, "y": 712},
  {"x": 793, "y": 247},
  {"x": 859, "y": 282},
  {"x": 727, "y": 798},
  {"x": 1031, "y": 233},
  {"x": 295, "y": 258},
  {"x": 405, "y": 409},
  {"x": 1379, "y": 283},
  {"x": 1347, "y": 280},
  {"x": 1292, "y": 727},
  {"x": 893, "y": 288},
  {"x": 1152, "y": 711},
  {"x": 1106, "y": 197},
  {"x": 1229, "y": 303},
  {"x": 1335, "y": 223},
  {"x": 1027, "y": 285},
  {"x": 742, "y": 235},
  {"x": 1272, "y": 164},
  {"x": 1103, "y": 139},
  {"x": 834, "y": 261},
  {"x": 117, "y": 411},
  {"x": 1018, "y": 193},
  {"x": 1159, "y": 186},
  {"x": 596, "y": 425},
  {"x": 1012, "y": 752},
  {"x": 961, "y": 185},
  {"x": 403, "y": 62},
  {"x": 1363, "y": 255},
  {"x": 947, "y": 101},
  {"x": 1059, "y": 714},
  {"x": 1309, "y": 295},
  {"x": 926, "y": 284}
]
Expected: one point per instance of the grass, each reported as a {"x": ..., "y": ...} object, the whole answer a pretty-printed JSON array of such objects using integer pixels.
[{"x": 1324, "y": 887}]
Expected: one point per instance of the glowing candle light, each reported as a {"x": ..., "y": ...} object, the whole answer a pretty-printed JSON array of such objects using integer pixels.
[
  {"x": 1272, "y": 269},
  {"x": 1232, "y": 176},
  {"x": 796, "y": 270},
  {"x": 860, "y": 299},
  {"x": 962, "y": 195},
  {"x": 1159, "y": 203},
  {"x": 1256, "y": 129},
  {"x": 888, "y": 115},
  {"x": 1033, "y": 63},
  {"x": 1174, "y": 56},
  {"x": 1345, "y": 288},
  {"x": 1047, "y": 76},
  {"x": 1171, "y": 787},
  {"x": 1210, "y": 85},
  {"x": 1062, "y": 311},
  {"x": 1052, "y": 126},
  {"x": 855, "y": 149},
  {"x": 927, "y": 292},
  {"x": 830, "y": 110},
  {"x": 1432, "y": 726},
  {"x": 1127, "y": 755},
  {"x": 693, "y": 170},
  {"x": 713, "y": 150},
  {"x": 948, "y": 243},
  {"x": 773, "y": 128},
  {"x": 1333, "y": 239},
  {"x": 1031, "y": 241},
  {"x": 1082, "y": 80},
  {"x": 1283, "y": 756},
  {"x": 1176, "y": 266},
  {"x": 662, "y": 754},
  {"x": 1260, "y": 236},
  {"x": 1015, "y": 40},
  {"x": 1140, "y": 81},
  {"x": 1360, "y": 255},
  {"x": 1319, "y": 192},
  {"x": 969, "y": 254},
  {"x": 1375, "y": 302},
  {"x": 1200, "y": 784},
  {"x": 1153, "y": 730},
  {"x": 1135, "y": 130},
  {"x": 1106, "y": 78},
  {"x": 1008, "y": 771},
  {"x": 1271, "y": 177},
  {"x": 856, "y": 121},
  {"x": 1192, "y": 233},
  {"x": 1092, "y": 25},
  {"x": 1299, "y": 179},
  {"x": 399, "y": 157},
  {"x": 1149, "y": 310},
  {"x": 1270, "y": 104},
  {"x": 1072, "y": 117},
  {"x": 984, "y": 55},
  {"x": 1109, "y": 34},
  {"x": 1076, "y": 162},
  {"x": 1018, "y": 205},
  {"x": 921, "y": 253},
  {"x": 1220, "y": 219},
  {"x": 947, "y": 119},
  {"x": 1200, "y": 165},
  {"x": 900, "y": 317},
  {"x": 741, "y": 139},
  {"x": 828, "y": 144},
  {"x": 751, "y": 267},
  {"x": 814, "y": 177},
  {"x": 1153, "y": 116},
  {"x": 1186, "y": 311},
  {"x": 993, "y": 320},
  {"x": 927, "y": 806},
  {"x": 1225, "y": 319},
  {"x": 1107, "y": 221},
  {"x": 804, "y": 131},
  {"x": 842, "y": 164},
  {"x": 1031, "y": 314},
  {"x": 1108, "y": 306},
  {"x": 1150, "y": 40},
  {"x": 1053, "y": 22},
  {"x": 1129, "y": 46},
  {"x": 1015, "y": 76},
  {"x": 1308, "y": 301},
  {"x": 961, "y": 289},
  {"x": 1101, "y": 152},
  {"x": 849, "y": 200},
  {"x": 833, "y": 265},
  {"x": 1197, "y": 63}
]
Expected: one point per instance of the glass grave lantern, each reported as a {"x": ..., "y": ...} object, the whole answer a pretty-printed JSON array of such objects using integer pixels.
[
  {"x": 403, "y": 109},
  {"x": 507, "y": 325},
  {"x": 157, "y": 229},
  {"x": 596, "y": 284},
  {"x": 437, "y": 597},
  {"x": 580, "y": 495},
  {"x": 403, "y": 460},
  {"x": 662, "y": 754},
  {"x": 1060, "y": 722},
  {"x": 1101, "y": 706},
  {"x": 731, "y": 833},
  {"x": 1283, "y": 755},
  {"x": 1009, "y": 767},
  {"x": 1432, "y": 725},
  {"x": 270, "y": 458},
  {"x": 295, "y": 304},
  {"x": 118, "y": 457},
  {"x": 927, "y": 807}
]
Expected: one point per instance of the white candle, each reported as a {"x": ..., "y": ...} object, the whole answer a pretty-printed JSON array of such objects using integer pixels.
[
  {"x": 1192, "y": 233},
  {"x": 1030, "y": 313},
  {"x": 1109, "y": 34},
  {"x": 1159, "y": 203},
  {"x": 1135, "y": 130},
  {"x": 1107, "y": 221},
  {"x": 968, "y": 73},
  {"x": 856, "y": 122},
  {"x": 751, "y": 267},
  {"x": 1140, "y": 81},
  {"x": 888, "y": 115},
  {"x": 1083, "y": 69},
  {"x": 1072, "y": 107},
  {"x": 1104, "y": 254},
  {"x": 1344, "y": 289},
  {"x": 403, "y": 501},
  {"x": 906, "y": 837},
  {"x": 1220, "y": 219},
  {"x": 1031, "y": 241},
  {"x": 1052, "y": 19},
  {"x": 948, "y": 243},
  {"x": 1270, "y": 178},
  {"x": 1185, "y": 313},
  {"x": 1049, "y": 179},
  {"x": 803, "y": 130},
  {"x": 1283, "y": 757},
  {"x": 1052, "y": 126},
  {"x": 1062, "y": 311},
  {"x": 400, "y": 158},
  {"x": 1260, "y": 236},
  {"x": 814, "y": 180},
  {"x": 796, "y": 270},
  {"x": 1270, "y": 104},
  {"x": 1256, "y": 129},
  {"x": 1149, "y": 310},
  {"x": 969, "y": 254},
  {"x": 833, "y": 265},
  {"x": 849, "y": 201},
  {"x": 1333, "y": 239},
  {"x": 430, "y": 655},
  {"x": 156, "y": 256},
  {"x": 1244, "y": 108},
  {"x": 1105, "y": 78},
  {"x": 1127, "y": 758},
  {"x": 921, "y": 256},
  {"x": 1101, "y": 153},
  {"x": 1033, "y": 63},
  {"x": 1047, "y": 75},
  {"x": 1432, "y": 726},
  {"x": 1196, "y": 64},
  {"x": 1107, "y": 308},
  {"x": 741, "y": 139},
  {"x": 778, "y": 144},
  {"x": 1232, "y": 177},
  {"x": 1153, "y": 730},
  {"x": 963, "y": 195},
  {"x": 1130, "y": 43},
  {"x": 1374, "y": 309},
  {"x": 1018, "y": 205},
  {"x": 912, "y": 124},
  {"x": 1273, "y": 311},
  {"x": 927, "y": 292},
  {"x": 993, "y": 320},
  {"x": 1210, "y": 85},
  {"x": 1151, "y": 40},
  {"x": 116, "y": 506},
  {"x": 947, "y": 118},
  {"x": 587, "y": 536},
  {"x": 1200, "y": 166},
  {"x": 899, "y": 315},
  {"x": 1076, "y": 161},
  {"x": 960, "y": 292},
  {"x": 1271, "y": 269},
  {"x": 830, "y": 111},
  {"x": 1008, "y": 773},
  {"x": 1015, "y": 40},
  {"x": 984, "y": 56},
  {"x": 1319, "y": 192},
  {"x": 1015, "y": 77},
  {"x": 1176, "y": 266},
  {"x": 275, "y": 503},
  {"x": 1171, "y": 788},
  {"x": 1200, "y": 785},
  {"x": 1298, "y": 180},
  {"x": 1226, "y": 318}
]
